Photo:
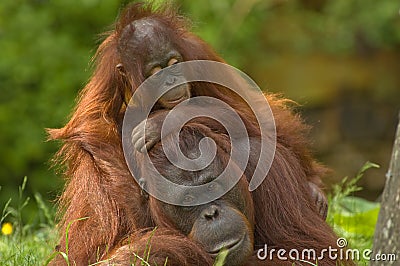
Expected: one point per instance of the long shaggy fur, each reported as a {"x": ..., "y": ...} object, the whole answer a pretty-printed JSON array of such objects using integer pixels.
[{"x": 100, "y": 187}]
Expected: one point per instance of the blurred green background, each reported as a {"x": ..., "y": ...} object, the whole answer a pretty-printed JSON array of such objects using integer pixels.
[{"x": 340, "y": 59}]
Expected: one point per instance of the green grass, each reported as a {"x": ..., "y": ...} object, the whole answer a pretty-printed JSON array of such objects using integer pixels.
[
  {"x": 30, "y": 249},
  {"x": 31, "y": 243},
  {"x": 34, "y": 243},
  {"x": 353, "y": 218}
]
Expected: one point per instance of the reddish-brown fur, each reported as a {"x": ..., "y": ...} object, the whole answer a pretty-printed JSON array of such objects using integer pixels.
[{"x": 99, "y": 185}]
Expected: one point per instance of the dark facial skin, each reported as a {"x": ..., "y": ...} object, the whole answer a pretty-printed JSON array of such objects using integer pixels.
[
  {"x": 157, "y": 52},
  {"x": 146, "y": 42},
  {"x": 143, "y": 142},
  {"x": 152, "y": 39},
  {"x": 225, "y": 223}
]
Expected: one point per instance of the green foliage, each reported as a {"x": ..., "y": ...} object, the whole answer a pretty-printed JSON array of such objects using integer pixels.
[
  {"x": 220, "y": 259},
  {"x": 33, "y": 244},
  {"x": 254, "y": 30},
  {"x": 45, "y": 47},
  {"x": 28, "y": 244},
  {"x": 351, "y": 217},
  {"x": 31, "y": 250},
  {"x": 362, "y": 22},
  {"x": 65, "y": 254}
]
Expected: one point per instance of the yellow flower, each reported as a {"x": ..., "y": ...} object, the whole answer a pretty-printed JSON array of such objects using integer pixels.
[{"x": 7, "y": 229}]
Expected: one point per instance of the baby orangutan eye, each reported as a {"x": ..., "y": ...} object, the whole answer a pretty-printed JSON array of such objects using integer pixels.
[
  {"x": 173, "y": 61},
  {"x": 155, "y": 70}
]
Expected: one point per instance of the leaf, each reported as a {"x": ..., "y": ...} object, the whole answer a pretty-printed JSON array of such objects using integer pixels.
[{"x": 219, "y": 261}]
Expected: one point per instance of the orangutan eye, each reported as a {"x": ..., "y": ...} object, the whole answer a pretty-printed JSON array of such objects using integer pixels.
[
  {"x": 155, "y": 70},
  {"x": 173, "y": 61}
]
